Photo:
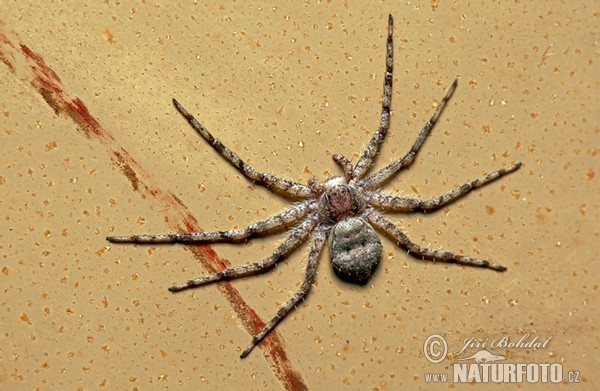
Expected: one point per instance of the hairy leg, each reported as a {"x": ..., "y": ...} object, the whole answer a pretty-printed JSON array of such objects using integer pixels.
[
  {"x": 272, "y": 224},
  {"x": 378, "y": 178},
  {"x": 309, "y": 277},
  {"x": 281, "y": 185},
  {"x": 296, "y": 238},
  {"x": 414, "y": 249},
  {"x": 401, "y": 204},
  {"x": 366, "y": 159}
]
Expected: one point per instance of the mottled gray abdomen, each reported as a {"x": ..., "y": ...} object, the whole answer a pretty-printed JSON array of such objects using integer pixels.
[{"x": 354, "y": 250}]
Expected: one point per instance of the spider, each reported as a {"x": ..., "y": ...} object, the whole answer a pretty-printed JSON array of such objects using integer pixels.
[{"x": 345, "y": 211}]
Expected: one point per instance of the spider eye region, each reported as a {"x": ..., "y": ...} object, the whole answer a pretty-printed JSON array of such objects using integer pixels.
[{"x": 354, "y": 250}]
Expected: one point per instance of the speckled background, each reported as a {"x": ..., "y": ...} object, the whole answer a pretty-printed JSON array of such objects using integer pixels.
[{"x": 92, "y": 146}]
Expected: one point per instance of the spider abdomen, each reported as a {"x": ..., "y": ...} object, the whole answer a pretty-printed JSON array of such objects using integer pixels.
[{"x": 354, "y": 250}]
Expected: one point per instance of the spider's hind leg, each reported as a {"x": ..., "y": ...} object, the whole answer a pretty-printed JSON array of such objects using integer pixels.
[
  {"x": 309, "y": 277},
  {"x": 414, "y": 249}
]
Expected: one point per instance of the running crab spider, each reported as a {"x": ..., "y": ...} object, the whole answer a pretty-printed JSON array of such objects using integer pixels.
[{"x": 345, "y": 211}]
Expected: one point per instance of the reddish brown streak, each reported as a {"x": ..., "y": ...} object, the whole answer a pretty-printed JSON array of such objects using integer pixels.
[{"x": 49, "y": 85}]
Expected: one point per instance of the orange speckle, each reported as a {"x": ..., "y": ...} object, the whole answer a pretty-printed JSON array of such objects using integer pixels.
[
  {"x": 24, "y": 318},
  {"x": 590, "y": 174},
  {"x": 51, "y": 145},
  {"x": 108, "y": 36},
  {"x": 490, "y": 210}
]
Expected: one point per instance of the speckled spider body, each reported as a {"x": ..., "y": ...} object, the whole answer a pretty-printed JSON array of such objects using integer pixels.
[{"x": 344, "y": 210}]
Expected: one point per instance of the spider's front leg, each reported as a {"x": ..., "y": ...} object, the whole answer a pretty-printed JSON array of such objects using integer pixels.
[
  {"x": 282, "y": 185},
  {"x": 401, "y": 204},
  {"x": 414, "y": 249},
  {"x": 378, "y": 178},
  {"x": 366, "y": 159}
]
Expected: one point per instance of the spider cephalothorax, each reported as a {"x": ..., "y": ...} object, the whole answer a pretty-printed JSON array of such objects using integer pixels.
[
  {"x": 345, "y": 211},
  {"x": 339, "y": 197}
]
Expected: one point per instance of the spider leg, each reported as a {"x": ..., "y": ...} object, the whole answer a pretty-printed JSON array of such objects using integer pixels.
[
  {"x": 414, "y": 249},
  {"x": 309, "y": 277},
  {"x": 297, "y": 237},
  {"x": 345, "y": 164},
  {"x": 366, "y": 159},
  {"x": 272, "y": 182},
  {"x": 272, "y": 224},
  {"x": 401, "y": 204},
  {"x": 378, "y": 178}
]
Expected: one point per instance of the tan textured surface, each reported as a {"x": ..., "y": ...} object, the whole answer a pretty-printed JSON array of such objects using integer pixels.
[{"x": 285, "y": 88}]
